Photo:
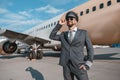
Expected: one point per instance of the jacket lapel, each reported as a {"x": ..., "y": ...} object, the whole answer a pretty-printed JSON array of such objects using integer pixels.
[
  {"x": 66, "y": 37},
  {"x": 75, "y": 36}
]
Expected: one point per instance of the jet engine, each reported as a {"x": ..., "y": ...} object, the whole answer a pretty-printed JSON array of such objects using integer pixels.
[{"x": 9, "y": 47}]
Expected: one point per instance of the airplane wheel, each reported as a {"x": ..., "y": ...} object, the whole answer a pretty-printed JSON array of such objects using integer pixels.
[
  {"x": 39, "y": 54},
  {"x": 31, "y": 55}
]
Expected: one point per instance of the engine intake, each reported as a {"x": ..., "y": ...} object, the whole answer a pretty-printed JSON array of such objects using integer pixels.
[{"x": 9, "y": 47}]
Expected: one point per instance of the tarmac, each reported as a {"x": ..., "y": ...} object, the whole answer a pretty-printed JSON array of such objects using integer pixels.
[{"x": 106, "y": 66}]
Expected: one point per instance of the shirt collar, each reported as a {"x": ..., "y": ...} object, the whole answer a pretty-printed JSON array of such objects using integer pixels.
[{"x": 75, "y": 29}]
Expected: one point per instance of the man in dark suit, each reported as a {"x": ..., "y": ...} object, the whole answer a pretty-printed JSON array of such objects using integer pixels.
[{"x": 72, "y": 56}]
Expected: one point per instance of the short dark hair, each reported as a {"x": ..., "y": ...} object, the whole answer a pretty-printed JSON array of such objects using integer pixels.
[{"x": 72, "y": 14}]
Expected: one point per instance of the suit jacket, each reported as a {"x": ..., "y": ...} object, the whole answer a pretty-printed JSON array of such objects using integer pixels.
[{"x": 73, "y": 51}]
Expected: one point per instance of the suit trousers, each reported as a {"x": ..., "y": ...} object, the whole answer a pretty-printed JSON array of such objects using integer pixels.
[{"x": 71, "y": 70}]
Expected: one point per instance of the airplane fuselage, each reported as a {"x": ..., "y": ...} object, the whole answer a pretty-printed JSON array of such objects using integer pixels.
[{"x": 99, "y": 17}]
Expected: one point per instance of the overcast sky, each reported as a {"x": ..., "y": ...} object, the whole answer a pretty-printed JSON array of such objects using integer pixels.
[{"x": 19, "y": 15}]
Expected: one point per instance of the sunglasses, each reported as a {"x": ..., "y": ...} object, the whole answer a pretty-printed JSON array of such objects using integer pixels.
[{"x": 69, "y": 18}]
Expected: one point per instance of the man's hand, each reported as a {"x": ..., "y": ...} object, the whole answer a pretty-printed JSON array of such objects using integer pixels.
[
  {"x": 62, "y": 21},
  {"x": 82, "y": 67}
]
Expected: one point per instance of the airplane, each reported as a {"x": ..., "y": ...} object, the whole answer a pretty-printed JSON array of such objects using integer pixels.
[{"x": 99, "y": 17}]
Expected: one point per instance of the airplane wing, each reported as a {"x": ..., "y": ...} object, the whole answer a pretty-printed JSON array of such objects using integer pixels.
[{"x": 22, "y": 37}]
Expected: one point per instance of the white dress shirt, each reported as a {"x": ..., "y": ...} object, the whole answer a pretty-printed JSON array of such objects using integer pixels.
[{"x": 73, "y": 33}]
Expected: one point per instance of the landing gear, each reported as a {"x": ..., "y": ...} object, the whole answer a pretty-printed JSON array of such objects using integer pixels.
[
  {"x": 39, "y": 55},
  {"x": 33, "y": 55},
  {"x": 35, "y": 52}
]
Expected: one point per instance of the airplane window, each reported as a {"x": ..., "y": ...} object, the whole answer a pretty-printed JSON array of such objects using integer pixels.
[
  {"x": 43, "y": 27},
  {"x": 94, "y": 8},
  {"x": 101, "y": 5},
  {"x": 37, "y": 29},
  {"x": 51, "y": 24},
  {"x": 108, "y": 3},
  {"x": 118, "y": 0},
  {"x": 87, "y": 11},
  {"x": 54, "y": 23},
  {"x": 81, "y": 13}
]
